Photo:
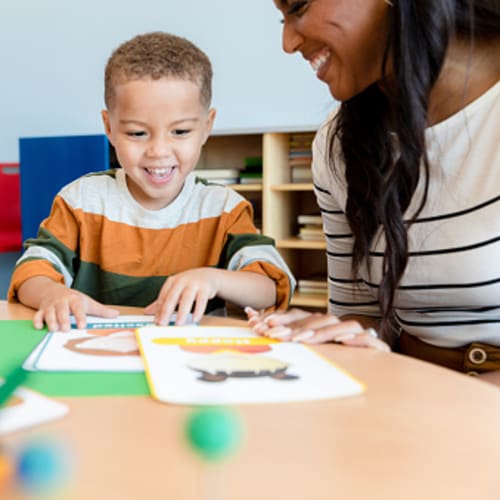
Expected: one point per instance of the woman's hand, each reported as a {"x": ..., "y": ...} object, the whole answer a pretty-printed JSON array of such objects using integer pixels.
[{"x": 296, "y": 325}]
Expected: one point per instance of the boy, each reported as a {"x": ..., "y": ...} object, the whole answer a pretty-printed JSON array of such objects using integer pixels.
[{"x": 150, "y": 233}]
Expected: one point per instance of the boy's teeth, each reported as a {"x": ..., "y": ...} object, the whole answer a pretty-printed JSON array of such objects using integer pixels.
[{"x": 159, "y": 171}]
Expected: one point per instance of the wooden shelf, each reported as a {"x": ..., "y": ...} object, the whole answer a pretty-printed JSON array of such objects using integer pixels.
[
  {"x": 276, "y": 201},
  {"x": 301, "y": 244},
  {"x": 293, "y": 186},
  {"x": 315, "y": 300},
  {"x": 246, "y": 187}
]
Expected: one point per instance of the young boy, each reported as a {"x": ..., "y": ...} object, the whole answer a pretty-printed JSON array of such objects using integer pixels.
[{"x": 150, "y": 233}]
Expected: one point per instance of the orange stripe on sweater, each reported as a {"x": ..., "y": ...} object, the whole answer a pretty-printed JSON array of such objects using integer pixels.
[
  {"x": 134, "y": 251},
  {"x": 29, "y": 270}
]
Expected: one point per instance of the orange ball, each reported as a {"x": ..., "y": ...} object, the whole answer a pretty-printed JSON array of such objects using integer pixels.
[{"x": 6, "y": 471}]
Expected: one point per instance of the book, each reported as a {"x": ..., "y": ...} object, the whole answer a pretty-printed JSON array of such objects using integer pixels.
[
  {"x": 219, "y": 175},
  {"x": 27, "y": 408},
  {"x": 311, "y": 233},
  {"x": 301, "y": 173},
  {"x": 319, "y": 287},
  {"x": 232, "y": 365},
  {"x": 318, "y": 284},
  {"x": 106, "y": 345},
  {"x": 210, "y": 173},
  {"x": 309, "y": 219},
  {"x": 250, "y": 177}
]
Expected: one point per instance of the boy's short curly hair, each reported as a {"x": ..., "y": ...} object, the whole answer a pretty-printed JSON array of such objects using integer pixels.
[{"x": 156, "y": 55}]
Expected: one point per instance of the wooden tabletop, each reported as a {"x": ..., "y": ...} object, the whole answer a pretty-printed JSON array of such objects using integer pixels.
[{"x": 418, "y": 432}]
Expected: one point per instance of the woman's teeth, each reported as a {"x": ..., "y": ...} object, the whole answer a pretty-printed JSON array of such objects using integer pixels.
[{"x": 318, "y": 61}]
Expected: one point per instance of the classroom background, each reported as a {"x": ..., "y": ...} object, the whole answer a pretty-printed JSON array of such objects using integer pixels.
[{"x": 54, "y": 52}]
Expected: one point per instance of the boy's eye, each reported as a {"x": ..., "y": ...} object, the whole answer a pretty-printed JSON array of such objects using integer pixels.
[
  {"x": 136, "y": 133},
  {"x": 181, "y": 131}
]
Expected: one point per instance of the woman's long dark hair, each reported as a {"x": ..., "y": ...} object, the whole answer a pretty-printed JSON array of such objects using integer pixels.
[{"x": 371, "y": 125}]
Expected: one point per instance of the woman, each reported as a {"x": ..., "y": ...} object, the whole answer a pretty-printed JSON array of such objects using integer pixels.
[{"x": 407, "y": 177}]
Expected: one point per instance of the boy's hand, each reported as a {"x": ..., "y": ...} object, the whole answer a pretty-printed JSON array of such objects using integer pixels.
[
  {"x": 57, "y": 304},
  {"x": 182, "y": 291}
]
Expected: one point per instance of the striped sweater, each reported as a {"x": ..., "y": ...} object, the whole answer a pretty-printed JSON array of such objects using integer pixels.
[
  {"x": 100, "y": 241},
  {"x": 449, "y": 294}
]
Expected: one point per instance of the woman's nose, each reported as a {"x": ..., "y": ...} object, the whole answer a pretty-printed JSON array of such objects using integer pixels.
[{"x": 291, "y": 38}]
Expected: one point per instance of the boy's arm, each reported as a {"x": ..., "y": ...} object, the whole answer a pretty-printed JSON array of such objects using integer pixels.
[
  {"x": 250, "y": 272},
  {"x": 195, "y": 287},
  {"x": 246, "y": 288},
  {"x": 43, "y": 277},
  {"x": 55, "y": 303}
]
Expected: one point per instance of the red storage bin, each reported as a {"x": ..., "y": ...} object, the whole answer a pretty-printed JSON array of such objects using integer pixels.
[{"x": 10, "y": 208}]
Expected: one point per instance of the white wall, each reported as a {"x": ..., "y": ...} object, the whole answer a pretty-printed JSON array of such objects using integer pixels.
[{"x": 53, "y": 52}]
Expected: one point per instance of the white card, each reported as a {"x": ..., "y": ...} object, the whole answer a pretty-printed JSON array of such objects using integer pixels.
[
  {"x": 27, "y": 408},
  {"x": 224, "y": 365},
  {"x": 106, "y": 344}
]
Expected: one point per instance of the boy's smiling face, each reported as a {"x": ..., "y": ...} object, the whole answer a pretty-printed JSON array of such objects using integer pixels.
[{"x": 158, "y": 128}]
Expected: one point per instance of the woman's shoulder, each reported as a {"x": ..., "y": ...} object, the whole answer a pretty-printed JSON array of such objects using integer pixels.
[{"x": 328, "y": 166}]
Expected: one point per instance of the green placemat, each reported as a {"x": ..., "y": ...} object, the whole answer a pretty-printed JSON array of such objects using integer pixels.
[{"x": 18, "y": 338}]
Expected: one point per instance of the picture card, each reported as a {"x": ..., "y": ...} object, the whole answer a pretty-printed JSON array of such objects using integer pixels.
[{"x": 230, "y": 365}]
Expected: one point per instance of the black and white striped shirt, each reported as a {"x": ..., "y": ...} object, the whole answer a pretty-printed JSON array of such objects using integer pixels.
[{"x": 450, "y": 292}]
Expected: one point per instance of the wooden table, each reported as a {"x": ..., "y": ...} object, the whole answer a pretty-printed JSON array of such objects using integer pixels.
[{"x": 418, "y": 432}]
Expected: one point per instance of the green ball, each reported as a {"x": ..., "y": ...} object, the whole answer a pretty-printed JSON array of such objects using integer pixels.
[{"x": 214, "y": 432}]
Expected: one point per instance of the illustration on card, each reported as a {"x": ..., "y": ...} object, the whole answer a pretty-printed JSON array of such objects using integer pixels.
[
  {"x": 105, "y": 342},
  {"x": 222, "y": 358}
]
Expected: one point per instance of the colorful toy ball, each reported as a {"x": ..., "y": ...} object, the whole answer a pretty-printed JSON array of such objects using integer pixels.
[
  {"x": 42, "y": 466},
  {"x": 214, "y": 432},
  {"x": 7, "y": 469}
]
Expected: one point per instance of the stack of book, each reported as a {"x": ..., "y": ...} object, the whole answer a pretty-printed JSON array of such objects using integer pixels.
[
  {"x": 310, "y": 227},
  {"x": 300, "y": 157},
  {"x": 314, "y": 286},
  {"x": 219, "y": 175},
  {"x": 252, "y": 173}
]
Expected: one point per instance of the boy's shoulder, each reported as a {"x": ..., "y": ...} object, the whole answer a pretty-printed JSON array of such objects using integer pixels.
[
  {"x": 93, "y": 183},
  {"x": 206, "y": 198},
  {"x": 91, "y": 177}
]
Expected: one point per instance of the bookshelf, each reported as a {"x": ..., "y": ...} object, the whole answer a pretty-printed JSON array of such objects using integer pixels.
[{"x": 277, "y": 202}]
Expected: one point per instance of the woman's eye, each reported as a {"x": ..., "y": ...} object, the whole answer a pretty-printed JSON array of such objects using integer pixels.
[{"x": 296, "y": 8}]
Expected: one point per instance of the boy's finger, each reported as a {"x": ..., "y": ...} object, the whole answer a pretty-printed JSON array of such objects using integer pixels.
[
  {"x": 38, "y": 319},
  {"x": 104, "y": 311},
  {"x": 185, "y": 305},
  {"x": 200, "y": 306},
  {"x": 78, "y": 311},
  {"x": 165, "y": 311},
  {"x": 151, "y": 308},
  {"x": 62, "y": 315},
  {"x": 51, "y": 320}
]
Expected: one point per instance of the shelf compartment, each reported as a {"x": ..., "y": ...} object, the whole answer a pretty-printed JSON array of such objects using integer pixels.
[
  {"x": 315, "y": 300},
  {"x": 246, "y": 187},
  {"x": 297, "y": 243},
  {"x": 293, "y": 186}
]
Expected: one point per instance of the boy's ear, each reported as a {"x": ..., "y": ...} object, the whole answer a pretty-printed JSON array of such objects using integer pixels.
[
  {"x": 105, "y": 121},
  {"x": 210, "y": 123}
]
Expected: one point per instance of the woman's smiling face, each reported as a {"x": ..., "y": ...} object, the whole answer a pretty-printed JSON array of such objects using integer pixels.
[{"x": 344, "y": 40}]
